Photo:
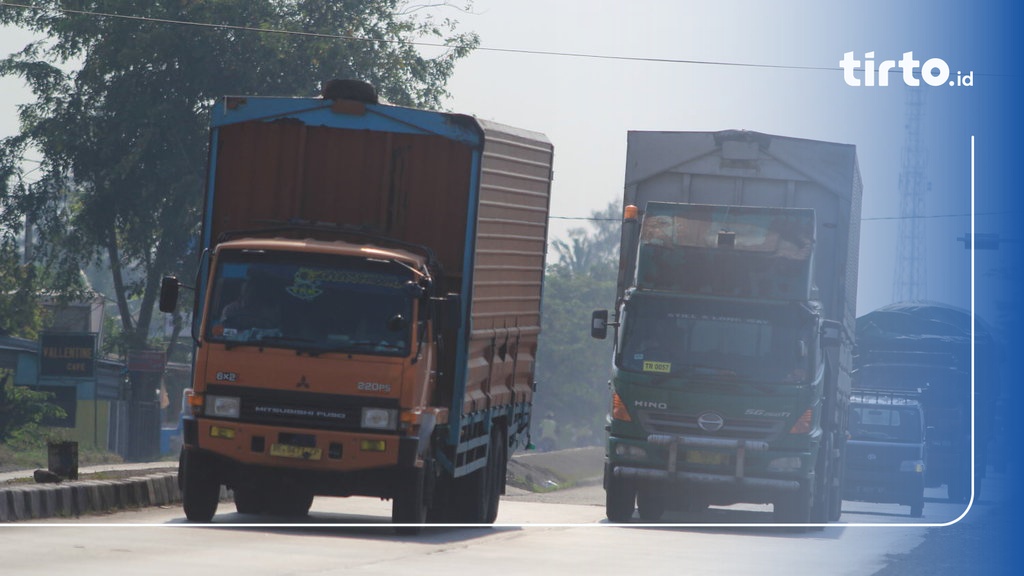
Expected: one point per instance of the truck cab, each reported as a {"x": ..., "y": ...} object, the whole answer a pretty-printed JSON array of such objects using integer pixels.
[{"x": 885, "y": 455}]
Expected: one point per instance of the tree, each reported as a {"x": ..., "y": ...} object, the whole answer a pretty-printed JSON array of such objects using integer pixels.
[
  {"x": 572, "y": 367},
  {"x": 592, "y": 252},
  {"x": 22, "y": 407},
  {"x": 20, "y": 313},
  {"x": 121, "y": 106}
]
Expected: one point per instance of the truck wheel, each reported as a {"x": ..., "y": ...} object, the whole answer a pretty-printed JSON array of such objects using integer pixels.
[
  {"x": 836, "y": 492},
  {"x": 619, "y": 499},
  {"x": 650, "y": 503},
  {"x": 480, "y": 492},
  {"x": 290, "y": 501},
  {"x": 794, "y": 508},
  {"x": 409, "y": 505},
  {"x": 497, "y": 464},
  {"x": 917, "y": 509},
  {"x": 827, "y": 500},
  {"x": 443, "y": 507},
  {"x": 958, "y": 489},
  {"x": 249, "y": 500},
  {"x": 200, "y": 490}
]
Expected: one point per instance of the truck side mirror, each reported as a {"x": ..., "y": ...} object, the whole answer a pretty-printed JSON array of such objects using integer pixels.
[
  {"x": 169, "y": 293},
  {"x": 599, "y": 324}
]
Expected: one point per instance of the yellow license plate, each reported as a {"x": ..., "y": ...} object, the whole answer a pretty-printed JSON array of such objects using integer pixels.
[
  {"x": 662, "y": 367},
  {"x": 707, "y": 458},
  {"x": 301, "y": 452}
]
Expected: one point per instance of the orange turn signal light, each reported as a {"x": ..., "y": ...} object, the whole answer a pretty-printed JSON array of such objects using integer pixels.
[
  {"x": 619, "y": 411},
  {"x": 803, "y": 424}
]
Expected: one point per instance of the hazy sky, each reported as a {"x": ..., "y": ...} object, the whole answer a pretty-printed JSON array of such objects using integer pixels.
[{"x": 585, "y": 105}]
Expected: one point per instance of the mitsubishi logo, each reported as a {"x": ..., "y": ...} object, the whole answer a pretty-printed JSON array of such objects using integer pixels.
[
  {"x": 303, "y": 383},
  {"x": 710, "y": 421}
]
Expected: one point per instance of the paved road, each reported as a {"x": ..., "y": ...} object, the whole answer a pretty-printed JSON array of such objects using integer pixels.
[{"x": 570, "y": 520}]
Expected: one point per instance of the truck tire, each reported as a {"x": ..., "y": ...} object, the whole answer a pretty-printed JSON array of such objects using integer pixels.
[
  {"x": 409, "y": 506},
  {"x": 499, "y": 472},
  {"x": 619, "y": 499},
  {"x": 917, "y": 509},
  {"x": 249, "y": 500},
  {"x": 650, "y": 503},
  {"x": 200, "y": 489},
  {"x": 825, "y": 496},
  {"x": 480, "y": 491},
  {"x": 289, "y": 501},
  {"x": 836, "y": 494},
  {"x": 958, "y": 490},
  {"x": 794, "y": 508}
]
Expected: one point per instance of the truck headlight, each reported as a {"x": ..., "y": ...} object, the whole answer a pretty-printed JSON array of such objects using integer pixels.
[
  {"x": 223, "y": 406},
  {"x": 785, "y": 464},
  {"x": 379, "y": 418},
  {"x": 630, "y": 451}
]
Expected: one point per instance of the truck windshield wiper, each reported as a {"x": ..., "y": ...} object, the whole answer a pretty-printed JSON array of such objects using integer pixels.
[
  {"x": 299, "y": 343},
  {"x": 375, "y": 344},
  {"x": 354, "y": 345}
]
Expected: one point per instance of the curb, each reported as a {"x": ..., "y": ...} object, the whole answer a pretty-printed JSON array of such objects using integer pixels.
[{"x": 77, "y": 498}]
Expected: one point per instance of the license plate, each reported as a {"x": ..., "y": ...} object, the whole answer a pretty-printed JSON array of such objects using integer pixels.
[
  {"x": 707, "y": 458},
  {"x": 301, "y": 452}
]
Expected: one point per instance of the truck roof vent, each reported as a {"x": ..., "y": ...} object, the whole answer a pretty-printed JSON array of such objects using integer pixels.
[{"x": 348, "y": 89}]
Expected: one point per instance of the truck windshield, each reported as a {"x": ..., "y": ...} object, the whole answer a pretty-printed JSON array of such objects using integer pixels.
[
  {"x": 885, "y": 424},
  {"x": 712, "y": 340},
  {"x": 312, "y": 303}
]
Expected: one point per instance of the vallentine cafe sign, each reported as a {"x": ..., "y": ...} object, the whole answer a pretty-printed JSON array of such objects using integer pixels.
[{"x": 67, "y": 355}]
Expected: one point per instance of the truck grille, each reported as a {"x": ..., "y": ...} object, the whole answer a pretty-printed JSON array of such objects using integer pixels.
[
  {"x": 662, "y": 422},
  {"x": 301, "y": 409}
]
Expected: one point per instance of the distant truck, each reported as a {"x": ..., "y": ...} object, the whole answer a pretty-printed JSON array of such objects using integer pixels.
[
  {"x": 924, "y": 349},
  {"x": 885, "y": 455},
  {"x": 367, "y": 307},
  {"x": 734, "y": 324}
]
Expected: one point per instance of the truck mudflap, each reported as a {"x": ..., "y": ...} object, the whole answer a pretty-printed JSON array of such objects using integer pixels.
[{"x": 739, "y": 447}]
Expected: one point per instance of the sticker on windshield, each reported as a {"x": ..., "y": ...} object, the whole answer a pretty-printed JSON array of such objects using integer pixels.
[
  {"x": 304, "y": 287},
  {"x": 650, "y": 366}
]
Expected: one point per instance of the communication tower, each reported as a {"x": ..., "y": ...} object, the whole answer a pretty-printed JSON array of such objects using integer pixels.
[{"x": 910, "y": 277}]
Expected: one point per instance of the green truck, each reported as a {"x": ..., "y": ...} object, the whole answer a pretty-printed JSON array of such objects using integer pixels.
[{"x": 734, "y": 325}]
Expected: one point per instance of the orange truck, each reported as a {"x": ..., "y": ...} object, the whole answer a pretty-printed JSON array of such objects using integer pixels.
[{"x": 367, "y": 307}]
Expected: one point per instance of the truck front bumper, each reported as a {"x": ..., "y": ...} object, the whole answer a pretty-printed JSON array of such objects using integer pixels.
[{"x": 737, "y": 481}]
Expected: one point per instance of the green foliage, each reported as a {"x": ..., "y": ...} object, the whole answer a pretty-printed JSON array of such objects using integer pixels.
[
  {"x": 28, "y": 450},
  {"x": 22, "y": 409},
  {"x": 121, "y": 111},
  {"x": 572, "y": 367},
  {"x": 20, "y": 312},
  {"x": 593, "y": 253}
]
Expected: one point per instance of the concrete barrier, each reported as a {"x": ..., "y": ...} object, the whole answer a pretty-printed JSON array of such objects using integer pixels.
[{"x": 20, "y": 502}]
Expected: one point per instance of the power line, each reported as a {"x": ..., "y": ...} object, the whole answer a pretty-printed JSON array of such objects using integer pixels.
[
  {"x": 351, "y": 38},
  {"x": 931, "y": 216},
  {"x": 865, "y": 219}
]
